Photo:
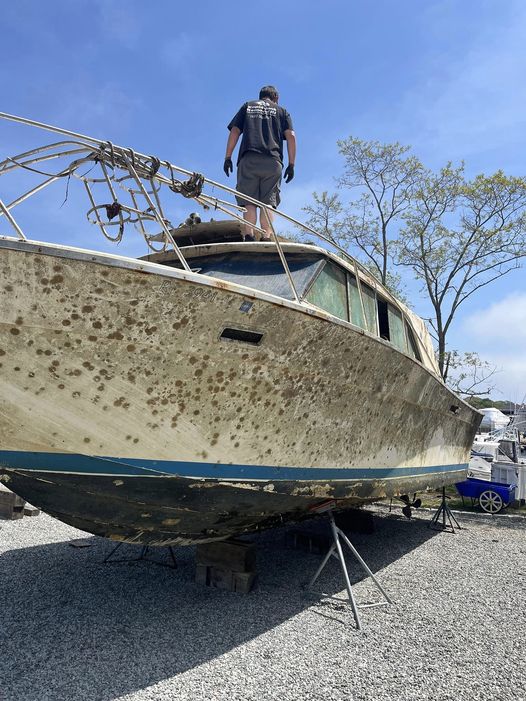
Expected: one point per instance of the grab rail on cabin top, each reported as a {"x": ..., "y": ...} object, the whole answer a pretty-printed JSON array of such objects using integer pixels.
[{"x": 86, "y": 150}]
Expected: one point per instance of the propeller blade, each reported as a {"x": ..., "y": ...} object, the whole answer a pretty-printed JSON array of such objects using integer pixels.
[{"x": 407, "y": 511}]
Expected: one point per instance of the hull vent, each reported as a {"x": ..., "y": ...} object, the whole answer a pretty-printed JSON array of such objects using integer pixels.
[{"x": 241, "y": 335}]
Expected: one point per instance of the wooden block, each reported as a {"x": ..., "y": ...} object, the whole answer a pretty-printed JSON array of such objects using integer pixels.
[
  {"x": 11, "y": 514},
  {"x": 7, "y": 499},
  {"x": 201, "y": 574},
  {"x": 307, "y": 540},
  {"x": 355, "y": 521},
  {"x": 11, "y": 505},
  {"x": 31, "y": 510},
  {"x": 235, "y": 555},
  {"x": 244, "y": 581},
  {"x": 219, "y": 578}
]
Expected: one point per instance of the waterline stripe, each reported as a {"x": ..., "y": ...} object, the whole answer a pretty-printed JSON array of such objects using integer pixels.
[{"x": 101, "y": 465}]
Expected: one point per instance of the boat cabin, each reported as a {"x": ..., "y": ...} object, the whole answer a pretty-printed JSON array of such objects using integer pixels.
[{"x": 337, "y": 286}]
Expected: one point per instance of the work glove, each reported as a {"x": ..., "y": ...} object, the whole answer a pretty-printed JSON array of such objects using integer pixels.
[
  {"x": 289, "y": 173},
  {"x": 228, "y": 167}
]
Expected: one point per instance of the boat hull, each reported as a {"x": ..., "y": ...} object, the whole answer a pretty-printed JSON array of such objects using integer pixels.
[
  {"x": 175, "y": 510},
  {"x": 116, "y": 370}
]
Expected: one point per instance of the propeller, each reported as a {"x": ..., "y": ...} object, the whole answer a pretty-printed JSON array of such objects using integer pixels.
[{"x": 410, "y": 504}]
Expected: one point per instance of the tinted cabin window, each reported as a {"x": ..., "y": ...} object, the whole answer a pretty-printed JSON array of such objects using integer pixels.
[
  {"x": 329, "y": 291},
  {"x": 412, "y": 344},
  {"x": 396, "y": 328},
  {"x": 369, "y": 304},
  {"x": 262, "y": 271},
  {"x": 355, "y": 304}
]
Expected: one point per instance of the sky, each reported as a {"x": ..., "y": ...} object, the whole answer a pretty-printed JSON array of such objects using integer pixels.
[{"x": 445, "y": 77}]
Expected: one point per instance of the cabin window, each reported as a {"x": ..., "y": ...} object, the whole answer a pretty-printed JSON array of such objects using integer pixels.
[
  {"x": 396, "y": 328},
  {"x": 412, "y": 343},
  {"x": 329, "y": 291},
  {"x": 263, "y": 271},
  {"x": 369, "y": 305},
  {"x": 355, "y": 304},
  {"x": 383, "y": 319}
]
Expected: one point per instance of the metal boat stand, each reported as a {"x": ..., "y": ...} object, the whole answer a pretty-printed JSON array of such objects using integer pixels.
[
  {"x": 443, "y": 520},
  {"x": 336, "y": 551},
  {"x": 144, "y": 549}
]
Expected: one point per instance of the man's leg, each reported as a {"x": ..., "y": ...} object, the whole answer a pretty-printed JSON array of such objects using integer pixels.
[
  {"x": 251, "y": 216},
  {"x": 266, "y": 216},
  {"x": 269, "y": 193}
]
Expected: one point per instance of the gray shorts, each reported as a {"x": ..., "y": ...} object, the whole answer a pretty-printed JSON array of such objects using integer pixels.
[{"x": 259, "y": 176}]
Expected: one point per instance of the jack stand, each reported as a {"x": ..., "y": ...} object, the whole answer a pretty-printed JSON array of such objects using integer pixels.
[
  {"x": 336, "y": 551},
  {"x": 142, "y": 556},
  {"x": 442, "y": 513}
]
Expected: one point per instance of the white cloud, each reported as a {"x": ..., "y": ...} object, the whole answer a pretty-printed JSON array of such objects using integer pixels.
[
  {"x": 504, "y": 318},
  {"x": 498, "y": 334}
]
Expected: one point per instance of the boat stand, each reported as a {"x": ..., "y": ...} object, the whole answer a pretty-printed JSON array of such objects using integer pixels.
[
  {"x": 443, "y": 520},
  {"x": 336, "y": 551},
  {"x": 144, "y": 549}
]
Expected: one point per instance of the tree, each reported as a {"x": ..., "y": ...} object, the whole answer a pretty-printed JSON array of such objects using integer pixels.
[
  {"x": 469, "y": 375},
  {"x": 459, "y": 236},
  {"x": 384, "y": 177}
]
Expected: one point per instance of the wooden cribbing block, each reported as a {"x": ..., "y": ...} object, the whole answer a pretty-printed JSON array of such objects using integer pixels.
[
  {"x": 229, "y": 580},
  {"x": 11, "y": 505},
  {"x": 227, "y": 564},
  {"x": 235, "y": 555}
]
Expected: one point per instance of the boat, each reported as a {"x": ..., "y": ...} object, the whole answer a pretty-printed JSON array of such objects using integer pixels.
[{"x": 215, "y": 386}]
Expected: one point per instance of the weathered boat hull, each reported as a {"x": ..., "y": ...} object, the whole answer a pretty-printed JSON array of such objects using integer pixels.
[
  {"x": 123, "y": 412},
  {"x": 170, "y": 509}
]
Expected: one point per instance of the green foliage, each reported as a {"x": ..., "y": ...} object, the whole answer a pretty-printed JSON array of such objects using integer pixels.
[
  {"x": 460, "y": 235},
  {"x": 486, "y": 403}
]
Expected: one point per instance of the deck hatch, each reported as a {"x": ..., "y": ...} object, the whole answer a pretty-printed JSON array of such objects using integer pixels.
[{"x": 242, "y": 335}]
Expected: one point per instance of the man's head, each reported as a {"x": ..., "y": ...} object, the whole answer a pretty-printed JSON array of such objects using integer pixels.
[{"x": 270, "y": 92}]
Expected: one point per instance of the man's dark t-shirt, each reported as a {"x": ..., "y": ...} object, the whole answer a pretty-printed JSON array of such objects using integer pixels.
[{"x": 263, "y": 124}]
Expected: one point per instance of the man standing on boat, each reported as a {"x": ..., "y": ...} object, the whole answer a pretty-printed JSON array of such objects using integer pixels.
[{"x": 264, "y": 125}]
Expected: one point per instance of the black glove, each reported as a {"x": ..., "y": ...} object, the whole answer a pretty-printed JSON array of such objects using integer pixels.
[
  {"x": 228, "y": 167},
  {"x": 289, "y": 173}
]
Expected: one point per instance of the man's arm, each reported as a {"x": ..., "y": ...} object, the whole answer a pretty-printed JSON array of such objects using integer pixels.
[
  {"x": 290, "y": 136},
  {"x": 232, "y": 140},
  {"x": 233, "y": 137}
]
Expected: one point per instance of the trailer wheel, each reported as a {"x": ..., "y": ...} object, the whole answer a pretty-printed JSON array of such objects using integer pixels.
[{"x": 491, "y": 502}]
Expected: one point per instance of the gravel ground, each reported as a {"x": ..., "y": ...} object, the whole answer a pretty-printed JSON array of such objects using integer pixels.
[{"x": 74, "y": 628}]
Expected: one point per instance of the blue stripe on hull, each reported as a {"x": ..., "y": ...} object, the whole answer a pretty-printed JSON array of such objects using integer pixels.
[{"x": 98, "y": 465}]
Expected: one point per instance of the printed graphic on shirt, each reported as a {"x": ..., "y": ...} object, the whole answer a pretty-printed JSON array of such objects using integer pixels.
[{"x": 261, "y": 110}]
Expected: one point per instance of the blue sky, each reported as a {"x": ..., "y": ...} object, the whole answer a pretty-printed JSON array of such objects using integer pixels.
[{"x": 164, "y": 77}]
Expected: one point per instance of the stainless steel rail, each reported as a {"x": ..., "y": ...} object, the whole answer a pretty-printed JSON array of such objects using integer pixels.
[{"x": 138, "y": 167}]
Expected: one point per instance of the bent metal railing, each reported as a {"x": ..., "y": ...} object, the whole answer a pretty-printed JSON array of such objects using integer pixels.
[{"x": 141, "y": 178}]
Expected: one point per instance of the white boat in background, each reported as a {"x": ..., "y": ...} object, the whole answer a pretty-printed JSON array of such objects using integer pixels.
[
  {"x": 493, "y": 420},
  {"x": 214, "y": 387}
]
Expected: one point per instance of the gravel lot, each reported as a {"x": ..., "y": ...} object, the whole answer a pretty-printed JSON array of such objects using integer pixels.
[{"x": 74, "y": 628}]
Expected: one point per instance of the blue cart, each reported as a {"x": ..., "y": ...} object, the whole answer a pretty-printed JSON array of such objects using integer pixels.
[{"x": 492, "y": 497}]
